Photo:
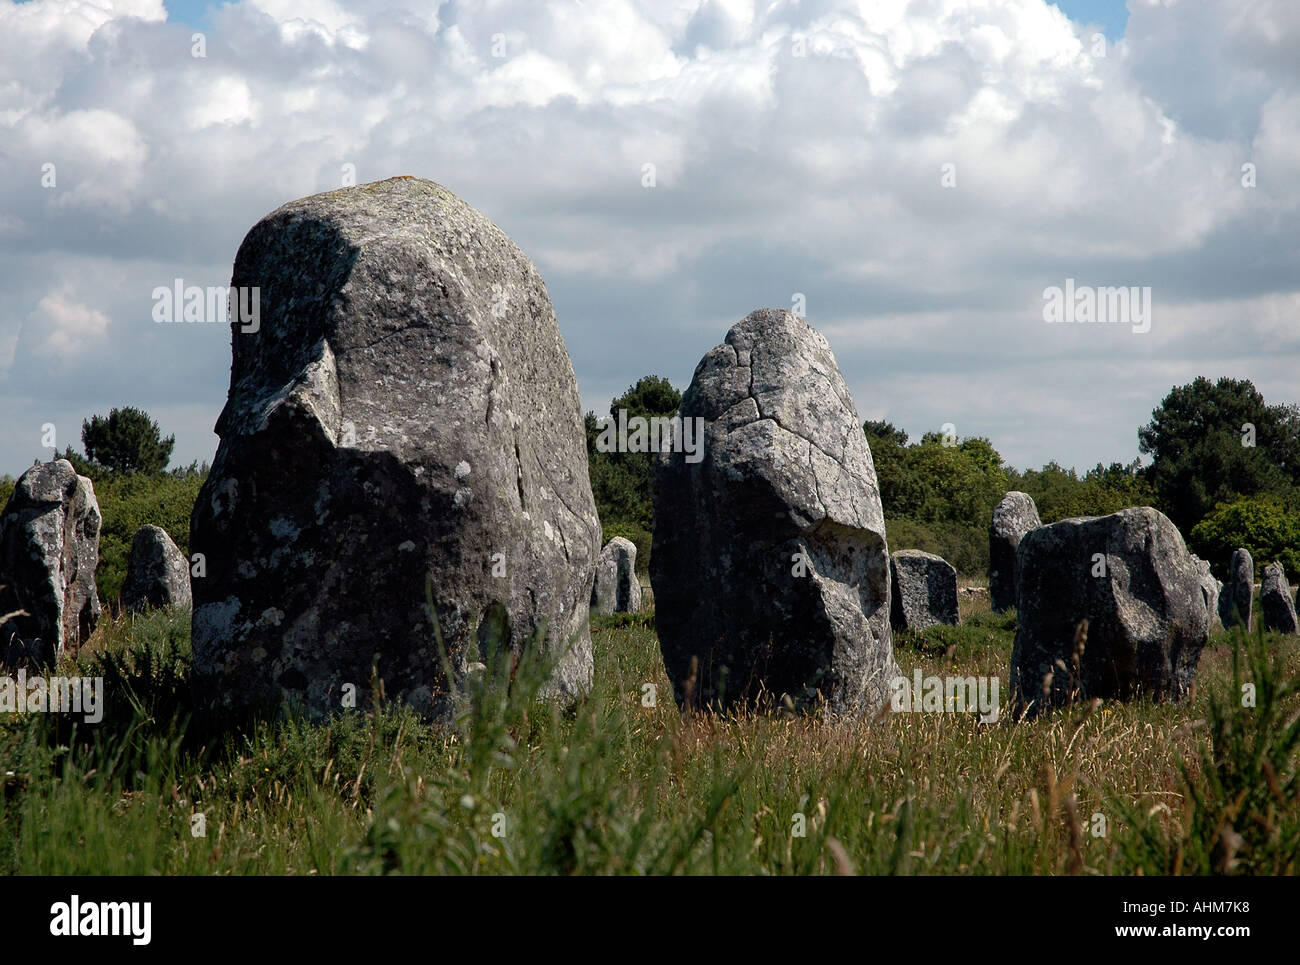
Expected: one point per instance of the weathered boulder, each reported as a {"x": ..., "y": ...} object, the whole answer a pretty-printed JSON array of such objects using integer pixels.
[
  {"x": 1211, "y": 590},
  {"x": 1275, "y": 602},
  {"x": 1013, "y": 517},
  {"x": 49, "y": 549},
  {"x": 1241, "y": 598},
  {"x": 769, "y": 565},
  {"x": 1130, "y": 576},
  {"x": 617, "y": 589},
  {"x": 403, "y": 420},
  {"x": 924, "y": 591},
  {"x": 157, "y": 574}
]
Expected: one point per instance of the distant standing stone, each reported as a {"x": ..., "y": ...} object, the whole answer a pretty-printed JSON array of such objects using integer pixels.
[
  {"x": 49, "y": 549},
  {"x": 1130, "y": 576},
  {"x": 1211, "y": 590},
  {"x": 1014, "y": 516},
  {"x": 1241, "y": 577},
  {"x": 617, "y": 589},
  {"x": 924, "y": 591},
  {"x": 1275, "y": 602},
  {"x": 157, "y": 575}
]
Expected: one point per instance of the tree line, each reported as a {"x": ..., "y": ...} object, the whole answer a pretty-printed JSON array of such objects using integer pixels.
[{"x": 1224, "y": 466}]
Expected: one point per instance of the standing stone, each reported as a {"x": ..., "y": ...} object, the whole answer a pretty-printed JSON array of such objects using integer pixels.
[
  {"x": 403, "y": 425},
  {"x": 1241, "y": 577},
  {"x": 1211, "y": 590},
  {"x": 1225, "y": 604},
  {"x": 617, "y": 589},
  {"x": 1013, "y": 517},
  {"x": 924, "y": 591},
  {"x": 49, "y": 549},
  {"x": 1275, "y": 603},
  {"x": 1130, "y": 576},
  {"x": 769, "y": 564},
  {"x": 157, "y": 574}
]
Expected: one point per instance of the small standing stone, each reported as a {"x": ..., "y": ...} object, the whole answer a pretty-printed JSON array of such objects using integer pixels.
[
  {"x": 616, "y": 589},
  {"x": 924, "y": 591},
  {"x": 1129, "y": 575},
  {"x": 157, "y": 573},
  {"x": 1241, "y": 577},
  {"x": 1014, "y": 516},
  {"x": 1275, "y": 601}
]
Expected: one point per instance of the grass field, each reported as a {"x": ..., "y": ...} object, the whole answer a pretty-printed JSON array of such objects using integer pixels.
[{"x": 613, "y": 786}]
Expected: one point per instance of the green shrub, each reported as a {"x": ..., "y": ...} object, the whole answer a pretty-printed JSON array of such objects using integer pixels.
[
  {"x": 965, "y": 547},
  {"x": 1061, "y": 493},
  {"x": 1261, "y": 525}
]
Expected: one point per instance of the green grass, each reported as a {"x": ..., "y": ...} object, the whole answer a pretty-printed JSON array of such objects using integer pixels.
[{"x": 612, "y": 786}]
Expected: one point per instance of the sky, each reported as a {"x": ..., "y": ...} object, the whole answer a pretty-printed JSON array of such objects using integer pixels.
[{"x": 916, "y": 177}]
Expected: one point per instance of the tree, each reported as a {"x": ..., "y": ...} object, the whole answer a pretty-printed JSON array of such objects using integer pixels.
[
  {"x": 878, "y": 429},
  {"x": 934, "y": 481},
  {"x": 652, "y": 395},
  {"x": 889, "y": 455},
  {"x": 126, "y": 441},
  {"x": 1060, "y": 493},
  {"x": 1261, "y": 525},
  {"x": 1214, "y": 442},
  {"x": 937, "y": 496},
  {"x": 82, "y": 466},
  {"x": 621, "y": 481}
]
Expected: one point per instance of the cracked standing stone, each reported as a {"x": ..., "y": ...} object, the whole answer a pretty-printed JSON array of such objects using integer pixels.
[{"x": 769, "y": 565}]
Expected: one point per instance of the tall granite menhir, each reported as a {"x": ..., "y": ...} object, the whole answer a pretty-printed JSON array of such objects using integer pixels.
[
  {"x": 403, "y": 418},
  {"x": 769, "y": 564}
]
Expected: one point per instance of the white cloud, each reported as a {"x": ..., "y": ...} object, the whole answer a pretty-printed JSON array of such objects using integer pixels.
[
  {"x": 775, "y": 173},
  {"x": 61, "y": 326}
]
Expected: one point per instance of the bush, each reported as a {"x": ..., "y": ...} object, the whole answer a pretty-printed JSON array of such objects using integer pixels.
[
  {"x": 965, "y": 547},
  {"x": 1260, "y": 524}
]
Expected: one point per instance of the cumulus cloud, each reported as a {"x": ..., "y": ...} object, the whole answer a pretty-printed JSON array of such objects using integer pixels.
[
  {"x": 62, "y": 328},
  {"x": 919, "y": 172}
]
